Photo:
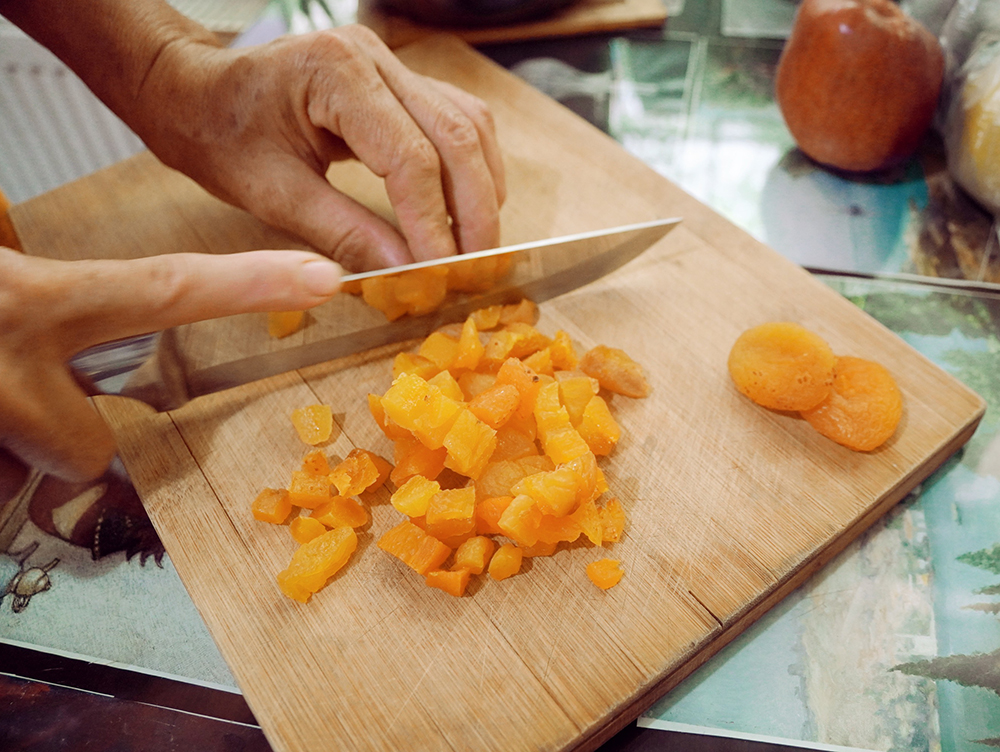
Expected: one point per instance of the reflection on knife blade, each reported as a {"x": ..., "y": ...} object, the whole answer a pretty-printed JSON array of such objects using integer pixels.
[{"x": 171, "y": 368}]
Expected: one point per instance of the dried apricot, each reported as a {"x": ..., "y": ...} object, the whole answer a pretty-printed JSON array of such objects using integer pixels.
[
  {"x": 313, "y": 423},
  {"x": 616, "y": 371},
  {"x": 605, "y": 573},
  {"x": 782, "y": 366},
  {"x": 863, "y": 408}
]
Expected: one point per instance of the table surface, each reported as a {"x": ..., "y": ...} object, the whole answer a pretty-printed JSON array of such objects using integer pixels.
[{"x": 695, "y": 103}]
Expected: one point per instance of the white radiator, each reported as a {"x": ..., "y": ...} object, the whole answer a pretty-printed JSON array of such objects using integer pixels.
[{"x": 52, "y": 128}]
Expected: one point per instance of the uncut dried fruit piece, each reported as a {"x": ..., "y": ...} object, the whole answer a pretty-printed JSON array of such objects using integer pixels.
[
  {"x": 782, "y": 366},
  {"x": 615, "y": 371},
  {"x": 864, "y": 406}
]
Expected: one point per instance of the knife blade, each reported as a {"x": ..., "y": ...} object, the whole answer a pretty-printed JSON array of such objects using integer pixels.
[{"x": 168, "y": 369}]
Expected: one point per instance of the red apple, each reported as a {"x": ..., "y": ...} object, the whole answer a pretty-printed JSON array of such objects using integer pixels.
[{"x": 858, "y": 82}]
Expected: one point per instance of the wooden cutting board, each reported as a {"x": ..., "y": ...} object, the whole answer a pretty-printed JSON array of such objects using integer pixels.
[{"x": 730, "y": 506}]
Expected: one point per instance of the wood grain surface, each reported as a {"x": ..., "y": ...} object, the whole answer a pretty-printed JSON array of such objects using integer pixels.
[{"x": 729, "y": 506}]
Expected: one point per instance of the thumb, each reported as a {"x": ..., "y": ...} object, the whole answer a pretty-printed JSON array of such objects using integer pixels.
[{"x": 82, "y": 303}]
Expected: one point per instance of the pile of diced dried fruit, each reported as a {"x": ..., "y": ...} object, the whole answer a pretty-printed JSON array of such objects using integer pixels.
[
  {"x": 784, "y": 366},
  {"x": 496, "y": 430}
]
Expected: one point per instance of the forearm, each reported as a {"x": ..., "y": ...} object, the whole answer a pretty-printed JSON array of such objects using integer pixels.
[{"x": 113, "y": 45}]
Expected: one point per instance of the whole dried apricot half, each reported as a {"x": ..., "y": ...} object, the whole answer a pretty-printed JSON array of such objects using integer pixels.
[
  {"x": 864, "y": 406},
  {"x": 782, "y": 366}
]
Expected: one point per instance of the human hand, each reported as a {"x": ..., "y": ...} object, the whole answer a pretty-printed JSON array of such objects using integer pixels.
[
  {"x": 259, "y": 127},
  {"x": 51, "y": 310}
]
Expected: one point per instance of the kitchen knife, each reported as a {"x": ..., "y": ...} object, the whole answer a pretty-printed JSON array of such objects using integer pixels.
[{"x": 169, "y": 368}]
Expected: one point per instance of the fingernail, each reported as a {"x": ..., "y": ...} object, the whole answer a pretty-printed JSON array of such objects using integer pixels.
[{"x": 321, "y": 277}]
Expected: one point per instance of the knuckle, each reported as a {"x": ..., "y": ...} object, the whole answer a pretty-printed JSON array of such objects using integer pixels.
[
  {"x": 352, "y": 249},
  {"x": 457, "y": 131}
]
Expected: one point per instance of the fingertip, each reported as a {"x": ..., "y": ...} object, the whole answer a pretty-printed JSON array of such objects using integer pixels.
[{"x": 321, "y": 277}]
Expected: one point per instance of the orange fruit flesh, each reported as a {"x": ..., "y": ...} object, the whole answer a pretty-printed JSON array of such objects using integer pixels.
[
  {"x": 864, "y": 407},
  {"x": 782, "y": 366}
]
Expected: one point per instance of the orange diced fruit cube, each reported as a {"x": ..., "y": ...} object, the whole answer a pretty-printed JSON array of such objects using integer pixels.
[
  {"x": 421, "y": 290},
  {"x": 308, "y": 490},
  {"x": 526, "y": 381},
  {"x": 421, "y": 407},
  {"x": 605, "y": 573},
  {"x": 282, "y": 323},
  {"x": 594, "y": 483},
  {"x": 512, "y": 444},
  {"x": 616, "y": 371},
  {"x": 524, "y": 312},
  {"x": 575, "y": 392},
  {"x": 315, "y": 562},
  {"x": 598, "y": 427},
  {"x": 488, "y": 513},
  {"x": 556, "y": 492},
  {"x": 612, "y": 520},
  {"x": 389, "y": 428},
  {"x": 380, "y": 293},
  {"x": 470, "y": 348},
  {"x": 413, "y": 458},
  {"x": 474, "y": 555},
  {"x": 414, "y": 496},
  {"x": 359, "y": 471},
  {"x": 469, "y": 444},
  {"x": 451, "y": 513},
  {"x": 452, "y": 581},
  {"x": 313, "y": 423},
  {"x": 553, "y": 529},
  {"x": 486, "y": 318},
  {"x": 440, "y": 349},
  {"x": 272, "y": 505},
  {"x": 341, "y": 511},
  {"x": 589, "y": 519},
  {"x": 520, "y": 520},
  {"x": 495, "y": 405},
  {"x": 540, "y": 361},
  {"x": 304, "y": 529},
  {"x": 506, "y": 562},
  {"x": 448, "y": 385},
  {"x": 539, "y": 548},
  {"x": 414, "y": 547},
  {"x": 473, "y": 383},
  {"x": 564, "y": 357},
  {"x": 414, "y": 364},
  {"x": 315, "y": 462}
]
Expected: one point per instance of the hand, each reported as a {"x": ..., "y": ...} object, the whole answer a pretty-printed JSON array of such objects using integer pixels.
[
  {"x": 259, "y": 127},
  {"x": 51, "y": 310}
]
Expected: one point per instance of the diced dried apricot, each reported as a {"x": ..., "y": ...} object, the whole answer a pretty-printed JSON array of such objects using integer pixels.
[
  {"x": 523, "y": 312},
  {"x": 575, "y": 392},
  {"x": 558, "y": 529},
  {"x": 589, "y": 519},
  {"x": 421, "y": 290},
  {"x": 474, "y": 383},
  {"x": 359, "y": 471},
  {"x": 380, "y": 293},
  {"x": 421, "y": 408},
  {"x": 506, "y": 562},
  {"x": 474, "y": 555},
  {"x": 448, "y": 385},
  {"x": 498, "y": 477},
  {"x": 304, "y": 529},
  {"x": 539, "y": 548},
  {"x": 512, "y": 444},
  {"x": 556, "y": 492},
  {"x": 308, "y": 490},
  {"x": 469, "y": 444},
  {"x": 341, "y": 511},
  {"x": 413, "y": 497},
  {"x": 540, "y": 362},
  {"x": 526, "y": 381},
  {"x": 282, "y": 323},
  {"x": 594, "y": 483},
  {"x": 495, "y": 405},
  {"x": 451, "y": 513},
  {"x": 559, "y": 439},
  {"x": 486, "y": 318},
  {"x": 564, "y": 357},
  {"x": 782, "y": 366},
  {"x": 515, "y": 340},
  {"x": 470, "y": 348},
  {"x": 411, "y": 458},
  {"x": 451, "y": 581},
  {"x": 440, "y": 349},
  {"x": 616, "y": 371},
  {"x": 520, "y": 520},
  {"x": 488, "y": 513},
  {"x": 313, "y": 423},
  {"x": 418, "y": 365},
  {"x": 315, "y": 462},
  {"x": 315, "y": 562},
  {"x": 414, "y": 547},
  {"x": 612, "y": 521},
  {"x": 272, "y": 505},
  {"x": 864, "y": 407},
  {"x": 598, "y": 427},
  {"x": 389, "y": 428},
  {"x": 605, "y": 573}
]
